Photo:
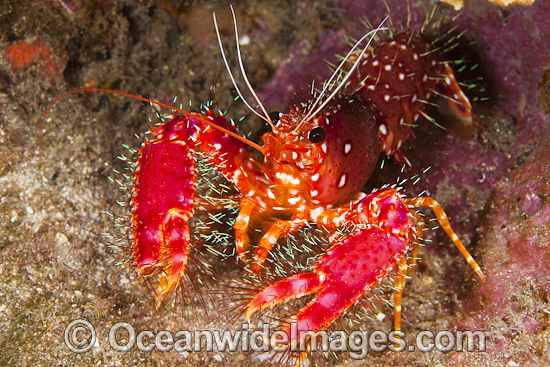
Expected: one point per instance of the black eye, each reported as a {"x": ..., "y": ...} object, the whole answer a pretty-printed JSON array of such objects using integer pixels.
[
  {"x": 274, "y": 116},
  {"x": 317, "y": 135}
]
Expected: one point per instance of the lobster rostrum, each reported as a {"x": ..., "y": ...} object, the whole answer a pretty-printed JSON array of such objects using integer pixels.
[{"x": 317, "y": 158}]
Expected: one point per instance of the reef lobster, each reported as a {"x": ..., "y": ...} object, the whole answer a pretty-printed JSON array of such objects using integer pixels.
[{"x": 317, "y": 158}]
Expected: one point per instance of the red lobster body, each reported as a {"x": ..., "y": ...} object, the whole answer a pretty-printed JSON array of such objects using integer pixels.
[
  {"x": 317, "y": 159},
  {"x": 314, "y": 162}
]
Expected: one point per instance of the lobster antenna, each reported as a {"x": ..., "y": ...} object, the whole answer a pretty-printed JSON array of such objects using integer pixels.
[
  {"x": 268, "y": 120},
  {"x": 199, "y": 117},
  {"x": 313, "y": 112}
]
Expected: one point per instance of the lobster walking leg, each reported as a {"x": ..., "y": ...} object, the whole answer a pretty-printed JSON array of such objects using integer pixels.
[
  {"x": 427, "y": 202},
  {"x": 277, "y": 230},
  {"x": 398, "y": 291},
  {"x": 241, "y": 226}
]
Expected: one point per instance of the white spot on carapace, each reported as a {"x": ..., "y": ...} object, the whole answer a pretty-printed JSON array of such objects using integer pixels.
[
  {"x": 294, "y": 155},
  {"x": 287, "y": 179},
  {"x": 270, "y": 194},
  {"x": 401, "y": 76},
  {"x": 371, "y": 87},
  {"x": 315, "y": 213},
  {"x": 386, "y": 97},
  {"x": 425, "y": 77},
  {"x": 314, "y": 193},
  {"x": 434, "y": 63},
  {"x": 401, "y": 121},
  {"x": 375, "y": 63},
  {"x": 324, "y": 147},
  {"x": 448, "y": 80},
  {"x": 387, "y": 67},
  {"x": 414, "y": 98},
  {"x": 416, "y": 116},
  {"x": 315, "y": 177},
  {"x": 293, "y": 201},
  {"x": 387, "y": 86},
  {"x": 415, "y": 56},
  {"x": 383, "y": 130},
  {"x": 347, "y": 148},
  {"x": 343, "y": 178}
]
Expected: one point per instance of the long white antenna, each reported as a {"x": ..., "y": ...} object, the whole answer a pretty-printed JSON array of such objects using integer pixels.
[
  {"x": 268, "y": 120},
  {"x": 314, "y": 111}
]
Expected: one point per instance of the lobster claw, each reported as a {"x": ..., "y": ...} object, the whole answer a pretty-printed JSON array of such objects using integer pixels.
[
  {"x": 176, "y": 252},
  {"x": 163, "y": 199}
]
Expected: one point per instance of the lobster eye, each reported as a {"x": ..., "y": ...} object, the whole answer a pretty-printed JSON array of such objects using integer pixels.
[
  {"x": 275, "y": 116},
  {"x": 317, "y": 135}
]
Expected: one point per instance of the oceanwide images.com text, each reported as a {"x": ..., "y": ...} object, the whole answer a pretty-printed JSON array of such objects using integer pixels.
[{"x": 81, "y": 337}]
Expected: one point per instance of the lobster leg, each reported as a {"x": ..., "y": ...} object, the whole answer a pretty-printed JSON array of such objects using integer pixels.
[
  {"x": 419, "y": 227},
  {"x": 241, "y": 226},
  {"x": 277, "y": 230},
  {"x": 427, "y": 202},
  {"x": 398, "y": 291}
]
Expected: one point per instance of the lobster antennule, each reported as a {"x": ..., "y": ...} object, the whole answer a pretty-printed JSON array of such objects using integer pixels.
[{"x": 185, "y": 113}]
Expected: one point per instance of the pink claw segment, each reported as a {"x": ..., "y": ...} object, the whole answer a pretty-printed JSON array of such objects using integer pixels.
[
  {"x": 292, "y": 287},
  {"x": 351, "y": 268},
  {"x": 176, "y": 232}
]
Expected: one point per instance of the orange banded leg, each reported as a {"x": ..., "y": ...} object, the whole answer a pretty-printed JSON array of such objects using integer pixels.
[
  {"x": 175, "y": 233},
  {"x": 427, "y": 202},
  {"x": 241, "y": 226},
  {"x": 277, "y": 230},
  {"x": 413, "y": 255},
  {"x": 403, "y": 268},
  {"x": 398, "y": 291}
]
